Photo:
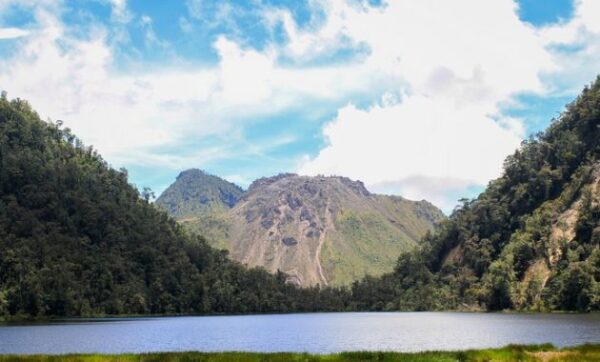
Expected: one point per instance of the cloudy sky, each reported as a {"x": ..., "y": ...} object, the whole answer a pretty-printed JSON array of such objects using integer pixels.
[{"x": 421, "y": 98}]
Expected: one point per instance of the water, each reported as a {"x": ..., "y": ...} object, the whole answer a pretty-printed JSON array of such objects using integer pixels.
[{"x": 315, "y": 333}]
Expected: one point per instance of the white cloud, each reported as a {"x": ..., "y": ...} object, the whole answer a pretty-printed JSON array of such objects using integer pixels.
[
  {"x": 442, "y": 192},
  {"x": 127, "y": 116},
  {"x": 575, "y": 46},
  {"x": 460, "y": 60},
  {"x": 120, "y": 13},
  {"x": 321, "y": 37},
  {"x": 420, "y": 139},
  {"x": 441, "y": 69},
  {"x": 4, "y": 4},
  {"x": 588, "y": 12},
  {"x": 12, "y": 33}
]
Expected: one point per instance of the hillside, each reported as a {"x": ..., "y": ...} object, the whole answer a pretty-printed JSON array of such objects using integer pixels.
[
  {"x": 318, "y": 230},
  {"x": 530, "y": 241},
  {"x": 195, "y": 192},
  {"x": 76, "y": 239},
  {"x": 200, "y": 202}
]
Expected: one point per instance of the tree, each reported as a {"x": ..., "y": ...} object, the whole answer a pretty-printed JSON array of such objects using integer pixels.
[
  {"x": 577, "y": 287},
  {"x": 147, "y": 194},
  {"x": 498, "y": 282}
]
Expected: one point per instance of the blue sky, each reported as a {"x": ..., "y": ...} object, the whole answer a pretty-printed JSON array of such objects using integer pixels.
[{"x": 418, "y": 98}]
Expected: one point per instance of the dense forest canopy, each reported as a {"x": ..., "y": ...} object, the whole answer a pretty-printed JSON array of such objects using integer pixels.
[{"x": 76, "y": 239}]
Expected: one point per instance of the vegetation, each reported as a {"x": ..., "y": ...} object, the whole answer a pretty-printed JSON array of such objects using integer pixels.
[
  {"x": 546, "y": 353},
  {"x": 195, "y": 191},
  {"x": 530, "y": 241},
  {"x": 365, "y": 242},
  {"x": 77, "y": 240},
  {"x": 200, "y": 202},
  {"x": 369, "y": 242}
]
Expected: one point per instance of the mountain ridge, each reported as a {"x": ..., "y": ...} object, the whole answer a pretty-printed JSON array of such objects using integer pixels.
[{"x": 311, "y": 227}]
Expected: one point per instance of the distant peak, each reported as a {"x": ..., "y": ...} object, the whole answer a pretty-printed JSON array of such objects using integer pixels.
[
  {"x": 196, "y": 190},
  {"x": 192, "y": 172},
  {"x": 356, "y": 186},
  {"x": 265, "y": 181}
]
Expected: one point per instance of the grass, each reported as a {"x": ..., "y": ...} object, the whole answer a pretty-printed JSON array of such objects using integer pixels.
[
  {"x": 545, "y": 353},
  {"x": 364, "y": 243}
]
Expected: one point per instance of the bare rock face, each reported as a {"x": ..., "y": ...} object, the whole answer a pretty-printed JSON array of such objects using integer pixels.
[
  {"x": 318, "y": 230},
  {"x": 310, "y": 228}
]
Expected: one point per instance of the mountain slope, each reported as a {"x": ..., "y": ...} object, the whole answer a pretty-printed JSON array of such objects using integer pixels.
[
  {"x": 531, "y": 240},
  {"x": 77, "y": 239},
  {"x": 195, "y": 191},
  {"x": 200, "y": 202},
  {"x": 318, "y": 230}
]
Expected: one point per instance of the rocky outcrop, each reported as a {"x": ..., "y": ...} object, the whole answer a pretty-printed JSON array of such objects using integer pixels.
[{"x": 318, "y": 230}]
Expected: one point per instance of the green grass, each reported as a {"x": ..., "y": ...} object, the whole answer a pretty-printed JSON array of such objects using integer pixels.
[
  {"x": 364, "y": 243},
  {"x": 212, "y": 223},
  {"x": 546, "y": 353}
]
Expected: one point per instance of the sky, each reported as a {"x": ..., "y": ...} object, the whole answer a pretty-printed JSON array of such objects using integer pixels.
[{"x": 419, "y": 98}]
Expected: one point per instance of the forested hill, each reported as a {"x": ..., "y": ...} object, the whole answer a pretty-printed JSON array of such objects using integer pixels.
[
  {"x": 197, "y": 193},
  {"x": 530, "y": 241},
  {"x": 76, "y": 239}
]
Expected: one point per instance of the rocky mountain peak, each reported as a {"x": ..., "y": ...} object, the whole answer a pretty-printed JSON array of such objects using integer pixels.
[
  {"x": 192, "y": 173},
  {"x": 325, "y": 230},
  {"x": 357, "y": 186},
  {"x": 266, "y": 181},
  {"x": 310, "y": 184}
]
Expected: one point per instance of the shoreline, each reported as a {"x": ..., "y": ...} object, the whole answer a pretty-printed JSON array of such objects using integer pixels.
[
  {"x": 109, "y": 317},
  {"x": 544, "y": 352}
]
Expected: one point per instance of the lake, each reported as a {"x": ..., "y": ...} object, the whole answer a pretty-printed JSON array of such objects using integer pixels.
[{"x": 315, "y": 332}]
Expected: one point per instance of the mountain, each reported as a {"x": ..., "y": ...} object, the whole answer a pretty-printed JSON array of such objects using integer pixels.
[
  {"x": 195, "y": 192},
  {"x": 317, "y": 230},
  {"x": 200, "y": 202},
  {"x": 77, "y": 239},
  {"x": 530, "y": 241}
]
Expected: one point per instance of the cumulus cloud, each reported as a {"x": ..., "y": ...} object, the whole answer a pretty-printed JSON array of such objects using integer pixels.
[
  {"x": 418, "y": 143},
  {"x": 460, "y": 61},
  {"x": 575, "y": 46},
  {"x": 12, "y": 33},
  {"x": 129, "y": 117},
  {"x": 438, "y": 70},
  {"x": 323, "y": 36}
]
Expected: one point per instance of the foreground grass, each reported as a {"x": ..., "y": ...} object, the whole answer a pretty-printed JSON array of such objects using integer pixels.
[{"x": 545, "y": 353}]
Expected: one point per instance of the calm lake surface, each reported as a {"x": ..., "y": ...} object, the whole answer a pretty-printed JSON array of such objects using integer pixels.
[{"x": 316, "y": 333}]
